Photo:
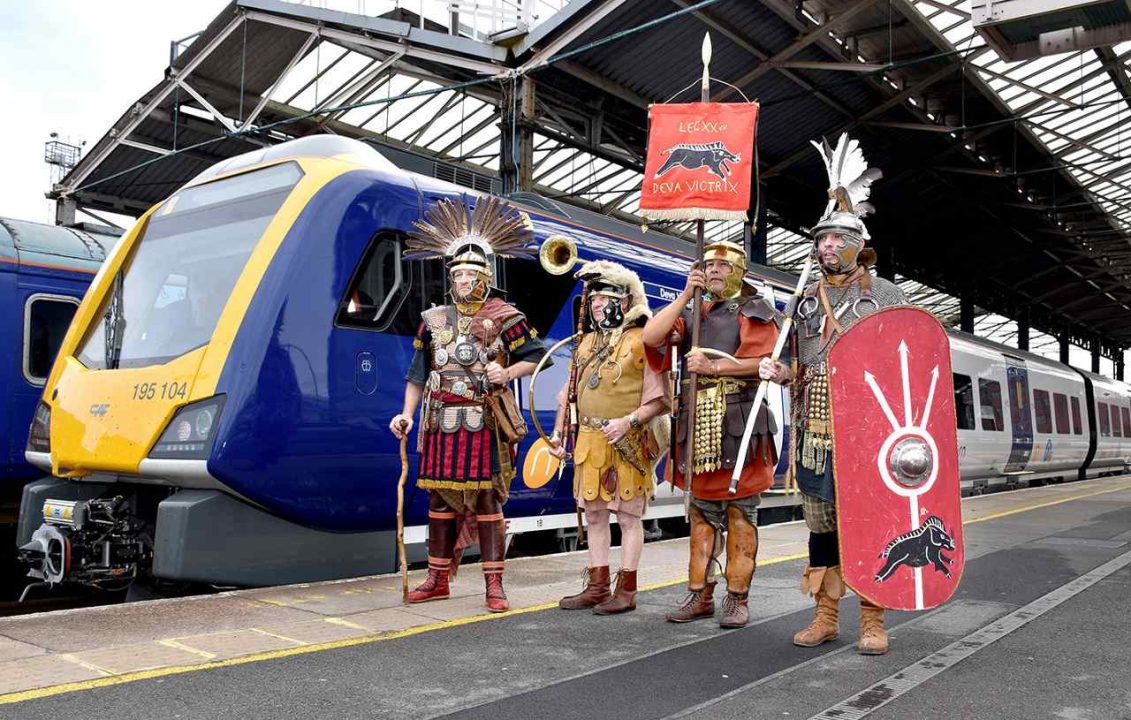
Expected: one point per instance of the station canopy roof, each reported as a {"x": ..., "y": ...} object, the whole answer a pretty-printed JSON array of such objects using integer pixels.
[{"x": 1006, "y": 184}]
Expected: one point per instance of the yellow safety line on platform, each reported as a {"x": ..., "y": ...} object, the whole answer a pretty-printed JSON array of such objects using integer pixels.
[{"x": 25, "y": 695}]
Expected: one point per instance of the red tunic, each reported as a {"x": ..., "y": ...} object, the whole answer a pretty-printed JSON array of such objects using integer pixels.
[{"x": 757, "y": 340}]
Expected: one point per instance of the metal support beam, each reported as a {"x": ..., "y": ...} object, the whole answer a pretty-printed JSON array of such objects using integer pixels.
[
  {"x": 575, "y": 31},
  {"x": 820, "y": 32},
  {"x": 1095, "y": 355},
  {"x": 65, "y": 208},
  {"x": 526, "y": 136},
  {"x": 1064, "y": 345},
  {"x": 1119, "y": 367},
  {"x": 88, "y": 164},
  {"x": 966, "y": 315},
  {"x": 279, "y": 80},
  {"x": 388, "y": 46},
  {"x": 1023, "y": 331}
]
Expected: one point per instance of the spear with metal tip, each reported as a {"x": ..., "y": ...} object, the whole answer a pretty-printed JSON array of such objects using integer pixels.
[
  {"x": 696, "y": 312},
  {"x": 763, "y": 387}
]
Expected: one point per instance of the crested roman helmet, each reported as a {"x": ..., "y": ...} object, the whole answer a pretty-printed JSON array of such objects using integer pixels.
[
  {"x": 470, "y": 238},
  {"x": 850, "y": 185}
]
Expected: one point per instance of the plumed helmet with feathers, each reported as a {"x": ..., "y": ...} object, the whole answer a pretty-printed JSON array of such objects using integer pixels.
[
  {"x": 469, "y": 239},
  {"x": 850, "y": 185}
]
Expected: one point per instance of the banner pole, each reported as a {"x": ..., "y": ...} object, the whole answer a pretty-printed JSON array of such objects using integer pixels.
[{"x": 696, "y": 314}]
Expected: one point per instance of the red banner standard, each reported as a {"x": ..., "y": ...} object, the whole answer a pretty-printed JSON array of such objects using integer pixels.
[
  {"x": 700, "y": 161},
  {"x": 895, "y": 459}
]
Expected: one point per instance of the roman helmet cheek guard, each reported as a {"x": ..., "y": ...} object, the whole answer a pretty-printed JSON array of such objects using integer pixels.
[
  {"x": 734, "y": 254},
  {"x": 852, "y": 234}
]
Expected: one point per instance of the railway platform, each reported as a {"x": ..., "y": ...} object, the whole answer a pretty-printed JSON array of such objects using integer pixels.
[{"x": 1036, "y": 629}]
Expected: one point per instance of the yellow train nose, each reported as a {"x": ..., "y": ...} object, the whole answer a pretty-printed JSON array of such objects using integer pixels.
[{"x": 107, "y": 420}]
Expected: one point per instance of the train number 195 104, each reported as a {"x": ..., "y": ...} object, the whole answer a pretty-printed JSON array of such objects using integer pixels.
[{"x": 161, "y": 391}]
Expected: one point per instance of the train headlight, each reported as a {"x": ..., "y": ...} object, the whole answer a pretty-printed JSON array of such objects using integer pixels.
[
  {"x": 190, "y": 433},
  {"x": 39, "y": 438}
]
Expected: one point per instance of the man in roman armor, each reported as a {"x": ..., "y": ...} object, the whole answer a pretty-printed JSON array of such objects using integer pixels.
[
  {"x": 619, "y": 406},
  {"x": 738, "y": 329},
  {"x": 845, "y": 292},
  {"x": 467, "y": 353}
]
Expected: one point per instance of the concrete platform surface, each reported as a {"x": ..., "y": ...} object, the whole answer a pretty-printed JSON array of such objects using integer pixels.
[{"x": 352, "y": 646}]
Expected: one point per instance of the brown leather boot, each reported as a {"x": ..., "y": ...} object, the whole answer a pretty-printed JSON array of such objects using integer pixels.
[
  {"x": 697, "y": 605},
  {"x": 735, "y": 612},
  {"x": 827, "y": 585},
  {"x": 873, "y": 637},
  {"x": 623, "y": 599},
  {"x": 595, "y": 592}
]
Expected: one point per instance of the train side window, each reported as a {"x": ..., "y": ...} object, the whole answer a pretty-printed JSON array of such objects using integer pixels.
[
  {"x": 1105, "y": 421},
  {"x": 1043, "y": 411},
  {"x": 964, "y": 401},
  {"x": 1126, "y": 421},
  {"x": 989, "y": 393},
  {"x": 1060, "y": 411},
  {"x": 387, "y": 292},
  {"x": 1077, "y": 425},
  {"x": 1116, "y": 426},
  {"x": 46, "y": 319}
]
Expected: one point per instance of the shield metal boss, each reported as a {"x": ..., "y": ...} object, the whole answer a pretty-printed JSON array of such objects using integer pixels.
[{"x": 895, "y": 459}]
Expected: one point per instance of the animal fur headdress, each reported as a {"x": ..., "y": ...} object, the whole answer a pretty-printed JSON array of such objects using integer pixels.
[{"x": 617, "y": 275}]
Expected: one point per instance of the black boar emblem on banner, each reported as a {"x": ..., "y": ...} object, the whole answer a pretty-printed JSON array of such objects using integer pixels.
[{"x": 714, "y": 156}]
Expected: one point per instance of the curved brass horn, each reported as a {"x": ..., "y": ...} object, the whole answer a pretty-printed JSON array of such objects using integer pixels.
[
  {"x": 534, "y": 378},
  {"x": 558, "y": 254}
]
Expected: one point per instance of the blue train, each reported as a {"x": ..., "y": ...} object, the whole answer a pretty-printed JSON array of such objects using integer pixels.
[
  {"x": 44, "y": 272},
  {"x": 218, "y": 411}
]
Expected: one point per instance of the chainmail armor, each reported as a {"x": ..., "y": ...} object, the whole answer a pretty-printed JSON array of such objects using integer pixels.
[{"x": 810, "y": 352}]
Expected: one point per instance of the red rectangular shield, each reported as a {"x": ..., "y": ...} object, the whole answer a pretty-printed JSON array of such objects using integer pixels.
[
  {"x": 700, "y": 161},
  {"x": 895, "y": 459}
]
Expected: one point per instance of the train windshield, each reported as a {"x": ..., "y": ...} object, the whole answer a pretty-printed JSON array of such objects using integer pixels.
[{"x": 169, "y": 297}]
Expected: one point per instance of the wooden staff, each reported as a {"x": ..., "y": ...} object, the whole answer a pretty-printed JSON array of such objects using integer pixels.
[
  {"x": 400, "y": 512},
  {"x": 696, "y": 319}
]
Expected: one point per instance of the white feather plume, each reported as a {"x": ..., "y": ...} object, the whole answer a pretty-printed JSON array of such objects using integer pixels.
[{"x": 850, "y": 178}]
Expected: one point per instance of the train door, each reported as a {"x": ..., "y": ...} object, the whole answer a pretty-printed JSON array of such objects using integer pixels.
[{"x": 1020, "y": 414}]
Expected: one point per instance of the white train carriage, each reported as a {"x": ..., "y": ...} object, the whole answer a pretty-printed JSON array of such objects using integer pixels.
[
  {"x": 1109, "y": 404},
  {"x": 1022, "y": 416}
]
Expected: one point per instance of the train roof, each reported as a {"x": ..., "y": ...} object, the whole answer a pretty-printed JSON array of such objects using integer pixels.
[{"x": 81, "y": 248}]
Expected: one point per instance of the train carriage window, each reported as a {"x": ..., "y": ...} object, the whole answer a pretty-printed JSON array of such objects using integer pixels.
[
  {"x": 1105, "y": 421},
  {"x": 46, "y": 319},
  {"x": 964, "y": 401},
  {"x": 989, "y": 393},
  {"x": 1043, "y": 411},
  {"x": 387, "y": 292},
  {"x": 1060, "y": 411},
  {"x": 1116, "y": 425},
  {"x": 1126, "y": 415},
  {"x": 1077, "y": 425}
]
